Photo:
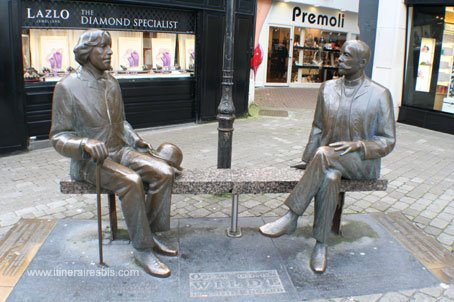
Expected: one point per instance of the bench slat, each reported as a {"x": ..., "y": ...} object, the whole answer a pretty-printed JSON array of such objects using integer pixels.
[{"x": 238, "y": 181}]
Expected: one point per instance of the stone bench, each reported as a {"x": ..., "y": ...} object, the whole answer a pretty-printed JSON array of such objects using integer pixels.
[{"x": 236, "y": 182}]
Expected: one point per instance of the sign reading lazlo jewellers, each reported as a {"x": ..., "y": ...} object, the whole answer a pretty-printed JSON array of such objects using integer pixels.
[
  {"x": 318, "y": 19},
  {"x": 65, "y": 14}
]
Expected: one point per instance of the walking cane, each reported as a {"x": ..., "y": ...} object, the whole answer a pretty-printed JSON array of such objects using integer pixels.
[{"x": 98, "y": 205}]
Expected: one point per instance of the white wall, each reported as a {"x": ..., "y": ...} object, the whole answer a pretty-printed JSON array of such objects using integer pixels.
[
  {"x": 345, "y": 5},
  {"x": 388, "y": 68}
]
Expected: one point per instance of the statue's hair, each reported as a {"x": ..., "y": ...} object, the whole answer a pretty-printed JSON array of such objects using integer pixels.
[
  {"x": 361, "y": 49},
  {"x": 87, "y": 41}
]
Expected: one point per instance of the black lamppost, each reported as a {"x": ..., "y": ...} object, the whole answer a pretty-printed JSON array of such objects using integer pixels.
[
  {"x": 226, "y": 109},
  {"x": 226, "y": 112}
]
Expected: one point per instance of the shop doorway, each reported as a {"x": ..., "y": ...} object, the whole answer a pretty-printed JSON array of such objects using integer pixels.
[{"x": 278, "y": 69}]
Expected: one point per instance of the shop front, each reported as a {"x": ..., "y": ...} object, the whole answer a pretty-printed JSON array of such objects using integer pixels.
[
  {"x": 428, "y": 99},
  {"x": 301, "y": 43},
  {"x": 167, "y": 57}
]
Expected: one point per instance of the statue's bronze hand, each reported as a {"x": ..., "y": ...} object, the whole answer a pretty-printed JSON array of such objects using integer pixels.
[
  {"x": 301, "y": 165},
  {"x": 143, "y": 145},
  {"x": 96, "y": 149},
  {"x": 347, "y": 147}
]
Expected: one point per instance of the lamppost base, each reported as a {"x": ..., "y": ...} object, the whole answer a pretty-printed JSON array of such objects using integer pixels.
[{"x": 232, "y": 234}]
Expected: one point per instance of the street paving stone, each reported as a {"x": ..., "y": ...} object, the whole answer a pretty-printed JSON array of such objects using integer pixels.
[
  {"x": 420, "y": 297},
  {"x": 420, "y": 172},
  {"x": 433, "y": 291},
  {"x": 393, "y": 297}
]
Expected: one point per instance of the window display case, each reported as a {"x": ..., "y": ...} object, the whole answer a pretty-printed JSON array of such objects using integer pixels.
[
  {"x": 48, "y": 54},
  {"x": 425, "y": 64},
  {"x": 444, "y": 98},
  {"x": 315, "y": 55}
]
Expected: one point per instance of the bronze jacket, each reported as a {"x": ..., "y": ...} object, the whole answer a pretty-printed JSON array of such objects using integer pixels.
[
  {"x": 88, "y": 107},
  {"x": 371, "y": 121}
]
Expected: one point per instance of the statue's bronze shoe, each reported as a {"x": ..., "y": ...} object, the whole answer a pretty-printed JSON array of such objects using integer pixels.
[
  {"x": 284, "y": 225},
  {"x": 161, "y": 248},
  {"x": 318, "y": 257},
  {"x": 151, "y": 264}
]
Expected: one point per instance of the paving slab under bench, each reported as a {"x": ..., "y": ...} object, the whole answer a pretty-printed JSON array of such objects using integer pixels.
[{"x": 213, "y": 267}]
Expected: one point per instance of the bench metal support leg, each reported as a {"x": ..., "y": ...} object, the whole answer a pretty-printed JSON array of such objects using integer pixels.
[
  {"x": 336, "y": 226},
  {"x": 113, "y": 217},
  {"x": 234, "y": 231}
]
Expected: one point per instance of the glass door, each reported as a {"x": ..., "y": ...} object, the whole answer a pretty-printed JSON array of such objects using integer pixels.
[{"x": 278, "y": 55}]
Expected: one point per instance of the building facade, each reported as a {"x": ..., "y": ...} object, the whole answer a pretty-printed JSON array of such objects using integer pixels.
[
  {"x": 412, "y": 44},
  {"x": 413, "y": 55},
  {"x": 167, "y": 58},
  {"x": 300, "y": 41}
]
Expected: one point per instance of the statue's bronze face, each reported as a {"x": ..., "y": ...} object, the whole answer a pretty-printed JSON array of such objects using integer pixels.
[
  {"x": 350, "y": 62},
  {"x": 101, "y": 55}
]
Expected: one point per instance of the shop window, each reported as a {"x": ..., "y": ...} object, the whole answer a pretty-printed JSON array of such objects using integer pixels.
[
  {"x": 315, "y": 54},
  {"x": 48, "y": 55},
  {"x": 429, "y": 80}
]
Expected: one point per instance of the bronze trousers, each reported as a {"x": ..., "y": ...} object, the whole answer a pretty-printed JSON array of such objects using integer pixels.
[
  {"x": 321, "y": 181},
  {"x": 124, "y": 173}
]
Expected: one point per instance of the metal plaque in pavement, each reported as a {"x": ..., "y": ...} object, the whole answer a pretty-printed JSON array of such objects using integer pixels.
[
  {"x": 228, "y": 284},
  {"x": 19, "y": 246},
  {"x": 424, "y": 247}
]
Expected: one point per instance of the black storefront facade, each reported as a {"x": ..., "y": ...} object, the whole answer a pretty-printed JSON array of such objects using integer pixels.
[
  {"x": 428, "y": 95},
  {"x": 167, "y": 59}
]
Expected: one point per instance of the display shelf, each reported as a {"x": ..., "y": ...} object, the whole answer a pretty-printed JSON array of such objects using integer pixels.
[
  {"x": 128, "y": 76},
  {"x": 308, "y": 66},
  {"x": 305, "y": 47},
  {"x": 315, "y": 58},
  {"x": 331, "y": 50},
  {"x": 315, "y": 55},
  {"x": 299, "y": 47}
]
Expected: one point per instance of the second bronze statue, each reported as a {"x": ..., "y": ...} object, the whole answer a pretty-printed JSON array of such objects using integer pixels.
[
  {"x": 353, "y": 128},
  {"x": 89, "y": 126}
]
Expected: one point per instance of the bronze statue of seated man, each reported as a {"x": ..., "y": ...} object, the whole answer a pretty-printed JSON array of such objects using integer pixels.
[
  {"x": 89, "y": 126},
  {"x": 353, "y": 128}
]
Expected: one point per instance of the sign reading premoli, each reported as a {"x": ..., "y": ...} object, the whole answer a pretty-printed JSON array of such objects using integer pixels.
[
  {"x": 65, "y": 14},
  {"x": 318, "y": 19}
]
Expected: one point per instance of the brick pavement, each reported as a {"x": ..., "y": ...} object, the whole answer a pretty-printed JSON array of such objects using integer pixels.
[{"x": 420, "y": 170}]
